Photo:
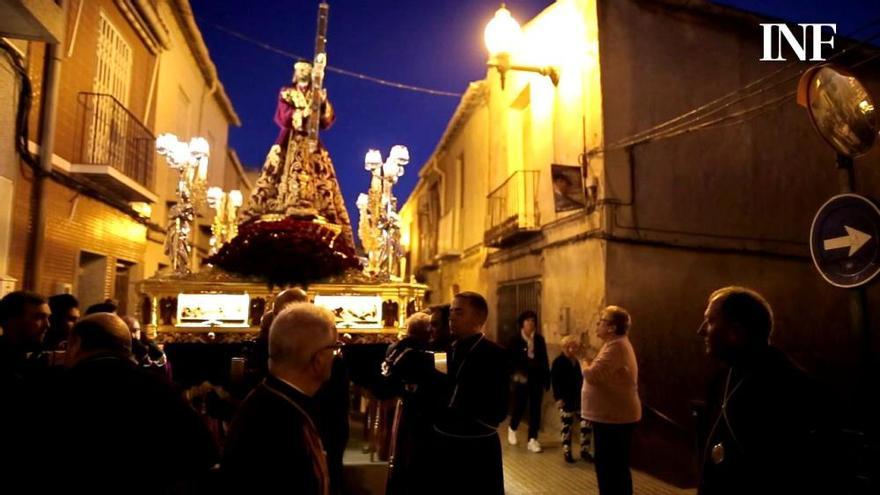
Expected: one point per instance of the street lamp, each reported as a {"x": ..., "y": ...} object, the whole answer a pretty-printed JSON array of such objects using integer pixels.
[
  {"x": 191, "y": 162},
  {"x": 502, "y": 35},
  {"x": 225, "y": 205},
  {"x": 379, "y": 226}
]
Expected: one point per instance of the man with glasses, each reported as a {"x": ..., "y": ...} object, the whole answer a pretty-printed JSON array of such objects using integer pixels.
[{"x": 273, "y": 443}]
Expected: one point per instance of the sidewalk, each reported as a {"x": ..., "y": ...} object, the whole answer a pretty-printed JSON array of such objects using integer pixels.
[{"x": 526, "y": 473}]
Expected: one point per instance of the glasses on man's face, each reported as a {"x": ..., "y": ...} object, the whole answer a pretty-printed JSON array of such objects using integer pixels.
[{"x": 336, "y": 347}]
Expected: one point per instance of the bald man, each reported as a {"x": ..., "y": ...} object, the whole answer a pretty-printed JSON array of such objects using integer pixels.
[
  {"x": 120, "y": 418},
  {"x": 288, "y": 297},
  {"x": 273, "y": 444},
  {"x": 260, "y": 353}
]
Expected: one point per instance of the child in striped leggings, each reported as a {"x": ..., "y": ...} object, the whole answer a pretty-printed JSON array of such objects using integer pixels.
[{"x": 565, "y": 374}]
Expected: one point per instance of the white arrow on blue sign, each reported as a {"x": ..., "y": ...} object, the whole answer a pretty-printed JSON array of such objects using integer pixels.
[{"x": 844, "y": 240}]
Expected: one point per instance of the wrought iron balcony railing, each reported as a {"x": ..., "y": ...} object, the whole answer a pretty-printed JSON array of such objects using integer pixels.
[
  {"x": 114, "y": 148},
  {"x": 513, "y": 210}
]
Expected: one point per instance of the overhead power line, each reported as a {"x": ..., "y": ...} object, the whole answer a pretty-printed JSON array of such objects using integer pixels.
[
  {"x": 363, "y": 77},
  {"x": 689, "y": 119}
]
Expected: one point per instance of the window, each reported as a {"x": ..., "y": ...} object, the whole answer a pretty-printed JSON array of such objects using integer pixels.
[
  {"x": 91, "y": 279},
  {"x": 429, "y": 223},
  {"x": 122, "y": 285},
  {"x": 113, "y": 75},
  {"x": 519, "y": 133}
]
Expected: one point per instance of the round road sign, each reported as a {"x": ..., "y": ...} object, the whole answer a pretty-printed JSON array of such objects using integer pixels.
[{"x": 844, "y": 240}]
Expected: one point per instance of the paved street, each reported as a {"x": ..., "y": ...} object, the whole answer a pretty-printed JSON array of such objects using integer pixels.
[
  {"x": 547, "y": 472},
  {"x": 525, "y": 473}
]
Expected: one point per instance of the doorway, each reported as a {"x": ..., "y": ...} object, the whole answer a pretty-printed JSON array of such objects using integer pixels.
[{"x": 91, "y": 279}]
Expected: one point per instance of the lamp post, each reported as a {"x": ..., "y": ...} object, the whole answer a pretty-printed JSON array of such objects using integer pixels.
[
  {"x": 191, "y": 162},
  {"x": 225, "y": 225},
  {"x": 502, "y": 35},
  {"x": 379, "y": 226}
]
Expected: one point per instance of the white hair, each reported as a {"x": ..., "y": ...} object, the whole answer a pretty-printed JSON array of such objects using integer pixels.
[
  {"x": 297, "y": 333},
  {"x": 418, "y": 325}
]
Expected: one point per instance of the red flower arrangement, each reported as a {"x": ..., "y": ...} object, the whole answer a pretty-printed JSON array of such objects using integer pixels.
[{"x": 286, "y": 252}]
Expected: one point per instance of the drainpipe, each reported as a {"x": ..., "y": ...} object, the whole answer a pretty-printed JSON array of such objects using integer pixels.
[{"x": 35, "y": 255}]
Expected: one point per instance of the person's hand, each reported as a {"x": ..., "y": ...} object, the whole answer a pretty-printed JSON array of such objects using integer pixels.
[
  {"x": 560, "y": 404},
  {"x": 589, "y": 353},
  {"x": 324, "y": 95}
]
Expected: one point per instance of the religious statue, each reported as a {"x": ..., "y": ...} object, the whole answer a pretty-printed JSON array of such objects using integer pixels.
[
  {"x": 178, "y": 244},
  {"x": 295, "y": 228},
  {"x": 298, "y": 178}
]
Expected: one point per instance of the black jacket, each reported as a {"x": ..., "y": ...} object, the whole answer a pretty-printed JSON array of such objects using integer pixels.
[
  {"x": 567, "y": 381},
  {"x": 271, "y": 447},
  {"x": 331, "y": 418},
  {"x": 468, "y": 452},
  {"x": 536, "y": 370},
  {"x": 769, "y": 432},
  {"x": 120, "y": 419}
]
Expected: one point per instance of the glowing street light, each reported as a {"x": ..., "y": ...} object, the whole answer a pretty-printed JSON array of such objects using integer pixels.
[
  {"x": 191, "y": 162},
  {"x": 502, "y": 37}
]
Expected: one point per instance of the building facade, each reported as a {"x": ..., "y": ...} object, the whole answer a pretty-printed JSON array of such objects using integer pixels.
[
  {"x": 89, "y": 217},
  {"x": 546, "y": 197}
]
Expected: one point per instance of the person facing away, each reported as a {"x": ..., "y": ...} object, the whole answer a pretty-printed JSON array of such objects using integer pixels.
[
  {"x": 610, "y": 400},
  {"x": 108, "y": 306},
  {"x": 145, "y": 351},
  {"x": 762, "y": 409},
  {"x": 474, "y": 401},
  {"x": 531, "y": 377},
  {"x": 567, "y": 379},
  {"x": 122, "y": 418},
  {"x": 412, "y": 425},
  {"x": 273, "y": 444}
]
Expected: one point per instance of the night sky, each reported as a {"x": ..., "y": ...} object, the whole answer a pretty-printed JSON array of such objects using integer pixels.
[{"x": 431, "y": 44}]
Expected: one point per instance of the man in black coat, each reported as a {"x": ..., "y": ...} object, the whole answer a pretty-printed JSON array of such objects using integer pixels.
[
  {"x": 474, "y": 397},
  {"x": 273, "y": 444},
  {"x": 24, "y": 378},
  {"x": 531, "y": 377},
  {"x": 120, "y": 418},
  {"x": 763, "y": 411}
]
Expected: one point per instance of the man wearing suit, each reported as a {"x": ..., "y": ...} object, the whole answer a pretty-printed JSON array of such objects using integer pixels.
[
  {"x": 475, "y": 400},
  {"x": 273, "y": 443}
]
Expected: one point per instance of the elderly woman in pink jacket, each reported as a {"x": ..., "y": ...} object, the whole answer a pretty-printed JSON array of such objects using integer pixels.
[{"x": 610, "y": 400}]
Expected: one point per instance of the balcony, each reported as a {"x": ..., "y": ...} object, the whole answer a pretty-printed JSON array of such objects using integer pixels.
[
  {"x": 513, "y": 210},
  {"x": 114, "y": 149}
]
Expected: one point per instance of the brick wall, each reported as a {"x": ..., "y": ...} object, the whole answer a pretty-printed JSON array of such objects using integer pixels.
[
  {"x": 78, "y": 73},
  {"x": 74, "y": 223}
]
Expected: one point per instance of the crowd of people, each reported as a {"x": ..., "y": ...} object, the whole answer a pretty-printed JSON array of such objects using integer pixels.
[{"x": 112, "y": 420}]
